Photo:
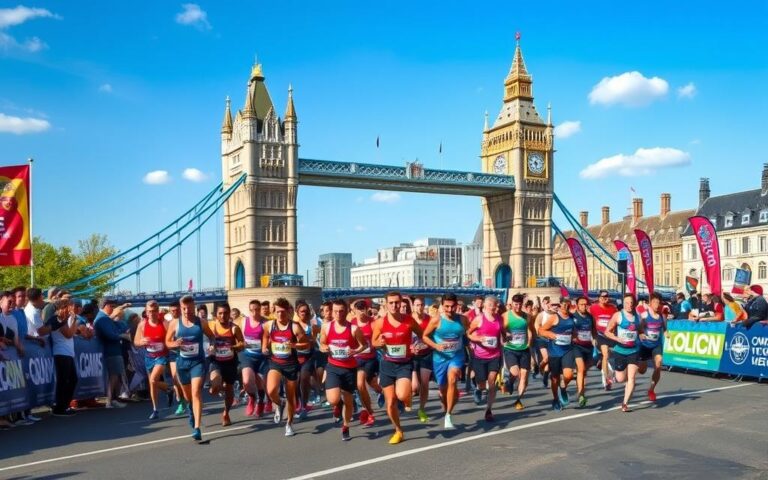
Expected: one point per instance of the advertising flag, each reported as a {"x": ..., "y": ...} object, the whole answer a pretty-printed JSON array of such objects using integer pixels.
[
  {"x": 706, "y": 236},
  {"x": 646, "y": 256},
  {"x": 631, "y": 277},
  {"x": 580, "y": 261},
  {"x": 15, "y": 239}
]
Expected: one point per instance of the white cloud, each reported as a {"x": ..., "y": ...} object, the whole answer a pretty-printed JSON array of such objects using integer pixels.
[
  {"x": 687, "y": 91},
  {"x": 630, "y": 89},
  {"x": 193, "y": 15},
  {"x": 386, "y": 197},
  {"x": 20, "y": 126},
  {"x": 568, "y": 129},
  {"x": 645, "y": 161},
  {"x": 10, "y": 17},
  {"x": 194, "y": 175},
  {"x": 157, "y": 177},
  {"x": 105, "y": 87},
  {"x": 695, "y": 141},
  {"x": 359, "y": 228}
]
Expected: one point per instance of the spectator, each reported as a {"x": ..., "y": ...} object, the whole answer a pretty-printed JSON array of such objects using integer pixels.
[
  {"x": 48, "y": 308},
  {"x": 86, "y": 316},
  {"x": 112, "y": 332},
  {"x": 202, "y": 313},
  {"x": 733, "y": 310},
  {"x": 20, "y": 300},
  {"x": 10, "y": 336},
  {"x": 756, "y": 307},
  {"x": 682, "y": 307},
  {"x": 710, "y": 309},
  {"x": 34, "y": 311},
  {"x": 62, "y": 327}
]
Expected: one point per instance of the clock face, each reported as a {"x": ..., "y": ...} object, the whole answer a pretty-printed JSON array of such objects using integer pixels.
[
  {"x": 536, "y": 163},
  {"x": 500, "y": 165}
]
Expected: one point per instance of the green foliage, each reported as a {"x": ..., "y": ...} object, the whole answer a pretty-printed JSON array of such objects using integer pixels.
[{"x": 55, "y": 266}]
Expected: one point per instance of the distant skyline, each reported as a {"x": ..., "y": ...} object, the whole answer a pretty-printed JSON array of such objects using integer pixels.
[{"x": 121, "y": 107}]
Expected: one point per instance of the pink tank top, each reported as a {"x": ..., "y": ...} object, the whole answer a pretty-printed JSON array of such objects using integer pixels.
[{"x": 489, "y": 332}]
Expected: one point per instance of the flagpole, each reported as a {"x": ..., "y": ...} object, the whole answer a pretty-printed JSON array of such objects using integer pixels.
[{"x": 31, "y": 236}]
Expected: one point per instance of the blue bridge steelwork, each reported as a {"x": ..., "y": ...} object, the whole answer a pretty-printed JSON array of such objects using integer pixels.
[{"x": 411, "y": 178}]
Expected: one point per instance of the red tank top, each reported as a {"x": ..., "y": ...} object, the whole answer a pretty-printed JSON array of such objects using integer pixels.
[
  {"x": 602, "y": 316},
  {"x": 279, "y": 339},
  {"x": 397, "y": 340},
  {"x": 155, "y": 335},
  {"x": 340, "y": 346},
  {"x": 419, "y": 346},
  {"x": 367, "y": 331}
]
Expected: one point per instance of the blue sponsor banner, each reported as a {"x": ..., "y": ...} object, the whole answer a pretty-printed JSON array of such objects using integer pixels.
[
  {"x": 746, "y": 351},
  {"x": 30, "y": 381}
]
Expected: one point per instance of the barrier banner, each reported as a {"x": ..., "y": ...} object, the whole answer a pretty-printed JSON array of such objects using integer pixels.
[
  {"x": 30, "y": 381},
  {"x": 746, "y": 351},
  {"x": 697, "y": 345}
]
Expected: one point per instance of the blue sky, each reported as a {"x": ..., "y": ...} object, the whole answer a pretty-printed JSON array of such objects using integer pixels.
[{"x": 102, "y": 93}]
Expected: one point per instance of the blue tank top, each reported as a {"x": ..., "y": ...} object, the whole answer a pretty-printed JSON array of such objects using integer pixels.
[
  {"x": 563, "y": 331},
  {"x": 626, "y": 330},
  {"x": 450, "y": 332},
  {"x": 191, "y": 349},
  {"x": 583, "y": 325},
  {"x": 654, "y": 328}
]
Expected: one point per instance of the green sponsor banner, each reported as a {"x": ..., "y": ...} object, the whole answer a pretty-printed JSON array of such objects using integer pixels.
[{"x": 694, "y": 345}]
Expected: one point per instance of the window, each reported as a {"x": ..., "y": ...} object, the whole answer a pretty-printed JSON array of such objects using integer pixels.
[
  {"x": 713, "y": 220},
  {"x": 762, "y": 244},
  {"x": 763, "y": 216},
  {"x": 745, "y": 245},
  {"x": 692, "y": 252},
  {"x": 728, "y": 273},
  {"x": 728, "y": 247},
  {"x": 239, "y": 275},
  {"x": 666, "y": 259},
  {"x": 677, "y": 256},
  {"x": 729, "y": 220},
  {"x": 745, "y": 219},
  {"x": 762, "y": 271}
]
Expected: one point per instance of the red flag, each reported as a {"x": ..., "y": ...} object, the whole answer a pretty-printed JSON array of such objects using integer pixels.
[
  {"x": 563, "y": 291},
  {"x": 15, "y": 237},
  {"x": 631, "y": 277},
  {"x": 190, "y": 286},
  {"x": 706, "y": 236},
  {"x": 646, "y": 256},
  {"x": 580, "y": 261}
]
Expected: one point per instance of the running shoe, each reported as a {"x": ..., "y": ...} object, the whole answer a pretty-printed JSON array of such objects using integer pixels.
[
  {"x": 556, "y": 406},
  {"x": 608, "y": 385},
  {"x": 519, "y": 405},
  {"x": 196, "y": 435},
  {"x": 180, "y": 408},
  {"x": 154, "y": 415},
  {"x": 250, "y": 406},
  {"x": 259, "y": 409},
  {"x": 563, "y": 394},
  {"x": 423, "y": 417},
  {"x": 169, "y": 394},
  {"x": 489, "y": 416},
  {"x": 345, "y": 434},
  {"x": 337, "y": 413},
  {"x": 396, "y": 438},
  {"x": 364, "y": 416},
  {"x": 380, "y": 400},
  {"x": 289, "y": 430},
  {"x": 625, "y": 408},
  {"x": 477, "y": 396},
  {"x": 652, "y": 395},
  {"x": 225, "y": 421},
  {"x": 448, "y": 422},
  {"x": 23, "y": 422},
  {"x": 279, "y": 413},
  {"x": 32, "y": 418},
  {"x": 302, "y": 413},
  {"x": 370, "y": 422},
  {"x": 582, "y": 401},
  {"x": 268, "y": 407},
  {"x": 309, "y": 407}
]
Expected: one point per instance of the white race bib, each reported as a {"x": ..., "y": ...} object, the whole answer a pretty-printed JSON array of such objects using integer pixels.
[
  {"x": 627, "y": 336},
  {"x": 450, "y": 346},
  {"x": 223, "y": 352},
  {"x": 155, "y": 347},
  {"x": 338, "y": 352},
  {"x": 584, "y": 335},
  {"x": 562, "y": 339},
  {"x": 518, "y": 339},
  {"x": 253, "y": 344},
  {"x": 396, "y": 351},
  {"x": 281, "y": 349},
  {"x": 652, "y": 335},
  {"x": 602, "y": 322},
  {"x": 489, "y": 342},
  {"x": 189, "y": 349}
]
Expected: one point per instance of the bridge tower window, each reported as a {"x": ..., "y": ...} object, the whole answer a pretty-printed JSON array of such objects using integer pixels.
[{"x": 239, "y": 275}]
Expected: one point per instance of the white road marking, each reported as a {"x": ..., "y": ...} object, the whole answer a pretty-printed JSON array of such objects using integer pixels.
[
  {"x": 449, "y": 443},
  {"x": 370, "y": 461}
]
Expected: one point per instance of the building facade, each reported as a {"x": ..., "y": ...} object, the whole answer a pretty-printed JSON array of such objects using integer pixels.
[
  {"x": 741, "y": 222},
  {"x": 665, "y": 231},
  {"x": 334, "y": 270},
  {"x": 517, "y": 227}
]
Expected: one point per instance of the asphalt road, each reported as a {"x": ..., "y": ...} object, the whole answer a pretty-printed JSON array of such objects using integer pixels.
[{"x": 700, "y": 428}]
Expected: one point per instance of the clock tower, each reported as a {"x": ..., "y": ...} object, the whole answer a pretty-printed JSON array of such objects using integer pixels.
[{"x": 517, "y": 228}]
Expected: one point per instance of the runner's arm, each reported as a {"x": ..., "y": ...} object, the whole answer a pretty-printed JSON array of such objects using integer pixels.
[
  {"x": 416, "y": 328},
  {"x": 138, "y": 340},
  {"x": 361, "y": 343},
  {"x": 302, "y": 342},
  {"x": 239, "y": 339},
  {"x": 169, "y": 334},
  {"x": 265, "y": 342},
  {"x": 473, "y": 325},
  {"x": 376, "y": 339},
  {"x": 324, "y": 337},
  {"x": 426, "y": 337},
  {"x": 544, "y": 331},
  {"x": 611, "y": 327}
]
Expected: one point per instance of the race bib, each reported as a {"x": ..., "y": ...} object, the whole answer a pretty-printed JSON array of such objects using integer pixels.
[
  {"x": 652, "y": 335},
  {"x": 627, "y": 336},
  {"x": 562, "y": 339},
  {"x": 396, "y": 351},
  {"x": 282, "y": 350},
  {"x": 602, "y": 322},
  {"x": 339, "y": 352},
  {"x": 518, "y": 339},
  {"x": 223, "y": 352},
  {"x": 489, "y": 342},
  {"x": 584, "y": 336},
  {"x": 189, "y": 349},
  {"x": 155, "y": 347},
  {"x": 450, "y": 346},
  {"x": 253, "y": 344}
]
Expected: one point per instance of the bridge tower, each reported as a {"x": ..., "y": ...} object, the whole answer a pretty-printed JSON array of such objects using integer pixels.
[
  {"x": 260, "y": 217},
  {"x": 517, "y": 232}
]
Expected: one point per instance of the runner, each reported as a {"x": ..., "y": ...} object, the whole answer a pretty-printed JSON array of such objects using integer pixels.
[
  {"x": 186, "y": 334},
  {"x": 228, "y": 341},
  {"x": 253, "y": 362},
  {"x": 394, "y": 332},
  {"x": 445, "y": 334},
  {"x": 367, "y": 364},
  {"x": 518, "y": 333},
  {"x": 485, "y": 334},
  {"x": 283, "y": 337},
  {"x": 652, "y": 342},
  {"x": 321, "y": 358},
  {"x": 624, "y": 329},
  {"x": 602, "y": 312},
  {"x": 342, "y": 340},
  {"x": 559, "y": 329},
  {"x": 422, "y": 360},
  {"x": 583, "y": 346},
  {"x": 173, "y": 315},
  {"x": 541, "y": 344},
  {"x": 305, "y": 357},
  {"x": 475, "y": 310},
  {"x": 150, "y": 334}
]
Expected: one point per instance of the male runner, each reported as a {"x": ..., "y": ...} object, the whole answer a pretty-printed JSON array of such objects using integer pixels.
[
  {"x": 305, "y": 356},
  {"x": 174, "y": 313},
  {"x": 583, "y": 345},
  {"x": 367, "y": 364},
  {"x": 228, "y": 341},
  {"x": 518, "y": 335},
  {"x": 253, "y": 363},
  {"x": 422, "y": 360},
  {"x": 624, "y": 329},
  {"x": 602, "y": 312},
  {"x": 652, "y": 342},
  {"x": 559, "y": 329},
  {"x": 150, "y": 334}
]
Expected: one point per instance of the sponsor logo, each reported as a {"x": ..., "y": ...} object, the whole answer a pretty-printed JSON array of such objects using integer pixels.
[
  {"x": 706, "y": 242},
  {"x": 696, "y": 344},
  {"x": 11, "y": 375},
  {"x": 89, "y": 365},
  {"x": 739, "y": 351}
]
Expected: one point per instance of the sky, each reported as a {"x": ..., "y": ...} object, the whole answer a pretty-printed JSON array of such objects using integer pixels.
[{"x": 106, "y": 96}]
